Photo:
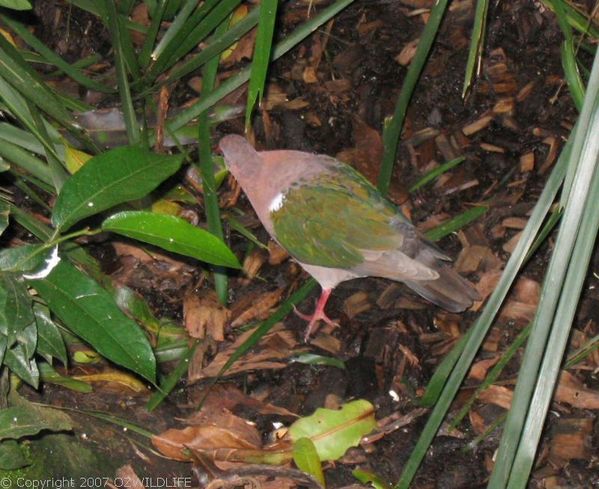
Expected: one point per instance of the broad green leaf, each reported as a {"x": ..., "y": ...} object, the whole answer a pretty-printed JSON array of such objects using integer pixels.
[
  {"x": 3, "y": 346},
  {"x": 111, "y": 178},
  {"x": 18, "y": 362},
  {"x": 12, "y": 456},
  {"x": 89, "y": 311},
  {"x": 173, "y": 234},
  {"x": 16, "y": 4},
  {"x": 23, "y": 258},
  {"x": 15, "y": 305},
  {"x": 27, "y": 420},
  {"x": 49, "y": 340},
  {"x": 4, "y": 213},
  {"x": 27, "y": 338},
  {"x": 334, "y": 431},
  {"x": 306, "y": 458}
]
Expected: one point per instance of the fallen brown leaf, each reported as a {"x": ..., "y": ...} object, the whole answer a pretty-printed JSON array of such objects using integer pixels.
[{"x": 205, "y": 315}]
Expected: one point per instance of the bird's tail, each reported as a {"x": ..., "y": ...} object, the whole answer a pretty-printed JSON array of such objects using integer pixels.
[{"x": 450, "y": 291}]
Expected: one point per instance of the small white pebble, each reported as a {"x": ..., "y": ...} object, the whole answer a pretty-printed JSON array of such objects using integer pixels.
[{"x": 394, "y": 395}]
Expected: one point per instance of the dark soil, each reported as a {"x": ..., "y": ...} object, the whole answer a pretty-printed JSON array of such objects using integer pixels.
[{"x": 397, "y": 346}]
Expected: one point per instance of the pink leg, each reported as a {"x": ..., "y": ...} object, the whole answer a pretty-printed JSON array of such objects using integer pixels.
[{"x": 318, "y": 315}]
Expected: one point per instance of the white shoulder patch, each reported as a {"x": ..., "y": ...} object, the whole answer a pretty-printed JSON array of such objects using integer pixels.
[{"x": 277, "y": 202}]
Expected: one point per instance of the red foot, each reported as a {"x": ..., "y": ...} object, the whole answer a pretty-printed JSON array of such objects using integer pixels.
[{"x": 318, "y": 315}]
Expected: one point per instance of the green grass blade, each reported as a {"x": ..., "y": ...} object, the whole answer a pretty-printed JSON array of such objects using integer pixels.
[
  {"x": 576, "y": 19},
  {"x": 493, "y": 374},
  {"x": 477, "y": 44},
  {"x": 557, "y": 304},
  {"x": 392, "y": 128},
  {"x": 112, "y": 20},
  {"x": 15, "y": 71},
  {"x": 478, "y": 331},
  {"x": 216, "y": 45},
  {"x": 51, "y": 57},
  {"x": 435, "y": 172},
  {"x": 22, "y": 159},
  {"x": 261, "y": 59},
  {"x": 206, "y": 167},
  {"x": 146, "y": 50},
  {"x": 170, "y": 382},
  {"x": 200, "y": 25},
  {"x": 557, "y": 342},
  {"x": 571, "y": 72},
  {"x": 456, "y": 223},
  {"x": 179, "y": 28},
  {"x": 303, "y": 31}
]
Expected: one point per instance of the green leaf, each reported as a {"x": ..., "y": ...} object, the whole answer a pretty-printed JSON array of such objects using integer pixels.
[
  {"x": 334, "y": 431},
  {"x": 4, "y": 213},
  {"x": 306, "y": 458},
  {"x": 15, "y": 305},
  {"x": 27, "y": 338},
  {"x": 173, "y": 234},
  {"x": 368, "y": 477},
  {"x": 111, "y": 178},
  {"x": 12, "y": 456},
  {"x": 16, "y": 4},
  {"x": 49, "y": 375},
  {"x": 23, "y": 258},
  {"x": 90, "y": 312},
  {"x": 456, "y": 223},
  {"x": 49, "y": 340},
  {"x": 18, "y": 362},
  {"x": 27, "y": 420},
  {"x": 262, "y": 53}
]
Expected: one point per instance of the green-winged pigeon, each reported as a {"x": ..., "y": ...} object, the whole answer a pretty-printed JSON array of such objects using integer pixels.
[{"x": 338, "y": 226}]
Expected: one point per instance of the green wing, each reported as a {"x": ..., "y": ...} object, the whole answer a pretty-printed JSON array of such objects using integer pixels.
[{"x": 328, "y": 221}]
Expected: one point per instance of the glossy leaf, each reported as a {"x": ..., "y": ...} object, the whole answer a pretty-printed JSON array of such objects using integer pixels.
[
  {"x": 306, "y": 458},
  {"x": 90, "y": 312},
  {"x": 4, "y": 213},
  {"x": 111, "y": 178},
  {"x": 49, "y": 340},
  {"x": 27, "y": 338},
  {"x": 16, "y": 4},
  {"x": 27, "y": 420},
  {"x": 15, "y": 305},
  {"x": 334, "y": 431},
  {"x": 173, "y": 234},
  {"x": 22, "y": 366},
  {"x": 23, "y": 258}
]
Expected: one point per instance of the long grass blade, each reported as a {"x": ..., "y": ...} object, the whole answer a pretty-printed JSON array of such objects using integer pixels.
[
  {"x": 280, "y": 49},
  {"x": 200, "y": 25},
  {"x": 51, "y": 57},
  {"x": 216, "y": 45},
  {"x": 112, "y": 20},
  {"x": 465, "y": 351},
  {"x": 261, "y": 59},
  {"x": 477, "y": 44},
  {"x": 206, "y": 167},
  {"x": 557, "y": 304},
  {"x": 392, "y": 129},
  {"x": 146, "y": 50}
]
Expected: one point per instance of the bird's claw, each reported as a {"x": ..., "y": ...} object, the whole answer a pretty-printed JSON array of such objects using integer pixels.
[{"x": 313, "y": 320}]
